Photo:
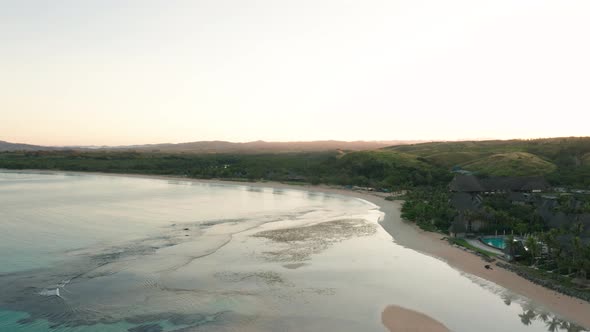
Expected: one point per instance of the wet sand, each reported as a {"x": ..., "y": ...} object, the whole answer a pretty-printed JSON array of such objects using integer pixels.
[
  {"x": 410, "y": 236},
  {"x": 398, "y": 319}
]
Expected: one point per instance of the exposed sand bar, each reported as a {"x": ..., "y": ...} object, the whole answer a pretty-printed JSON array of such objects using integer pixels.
[
  {"x": 410, "y": 236},
  {"x": 398, "y": 319}
]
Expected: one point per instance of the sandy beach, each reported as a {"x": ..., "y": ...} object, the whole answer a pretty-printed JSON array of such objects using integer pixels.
[
  {"x": 398, "y": 319},
  {"x": 409, "y": 236}
]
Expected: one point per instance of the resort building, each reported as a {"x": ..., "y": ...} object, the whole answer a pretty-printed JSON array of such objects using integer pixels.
[{"x": 469, "y": 193}]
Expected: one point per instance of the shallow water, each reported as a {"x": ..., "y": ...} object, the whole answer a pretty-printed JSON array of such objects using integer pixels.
[{"x": 131, "y": 254}]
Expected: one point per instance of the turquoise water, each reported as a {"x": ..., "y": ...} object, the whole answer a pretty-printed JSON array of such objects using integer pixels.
[
  {"x": 9, "y": 323},
  {"x": 497, "y": 242},
  {"x": 137, "y": 255}
]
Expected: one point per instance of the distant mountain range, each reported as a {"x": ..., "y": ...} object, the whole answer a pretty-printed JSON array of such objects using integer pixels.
[
  {"x": 6, "y": 146},
  {"x": 223, "y": 147}
]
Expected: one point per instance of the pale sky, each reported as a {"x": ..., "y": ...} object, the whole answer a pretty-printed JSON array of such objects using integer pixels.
[{"x": 133, "y": 72}]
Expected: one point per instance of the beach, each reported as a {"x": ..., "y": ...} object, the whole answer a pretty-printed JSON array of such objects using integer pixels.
[
  {"x": 393, "y": 315},
  {"x": 409, "y": 235},
  {"x": 398, "y": 319}
]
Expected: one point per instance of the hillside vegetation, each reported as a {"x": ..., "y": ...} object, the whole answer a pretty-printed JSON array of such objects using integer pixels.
[
  {"x": 450, "y": 159},
  {"x": 385, "y": 169},
  {"x": 563, "y": 161},
  {"x": 547, "y": 147},
  {"x": 378, "y": 168},
  {"x": 511, "y": 164}
]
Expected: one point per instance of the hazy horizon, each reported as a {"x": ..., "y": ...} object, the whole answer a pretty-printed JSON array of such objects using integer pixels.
[
  {"x": 408, "y": 141},
  {"x": 141, "y": 72}
]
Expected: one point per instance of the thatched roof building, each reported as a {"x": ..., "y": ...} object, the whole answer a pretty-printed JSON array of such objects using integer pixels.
[
  {"x": 466, "y": 184},
  {"x": 464, "y": 201},
  {"x": 471, "y": 184}
]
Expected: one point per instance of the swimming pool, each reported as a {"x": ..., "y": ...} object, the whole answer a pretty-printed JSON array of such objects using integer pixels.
[{"x": 497, "y": 242}]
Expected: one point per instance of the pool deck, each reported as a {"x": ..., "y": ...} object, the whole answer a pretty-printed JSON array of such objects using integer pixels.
[{"x": 476, "y": 243}]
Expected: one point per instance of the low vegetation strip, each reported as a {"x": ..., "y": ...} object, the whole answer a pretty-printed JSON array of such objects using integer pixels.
[{"x": 541, "y": 278}]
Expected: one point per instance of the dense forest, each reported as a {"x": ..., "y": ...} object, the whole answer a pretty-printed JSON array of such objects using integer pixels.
[{"x": 380, "y": 169}]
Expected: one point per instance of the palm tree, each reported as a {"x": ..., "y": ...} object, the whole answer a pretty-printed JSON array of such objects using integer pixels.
[
  {"x": 553, "y": 325},
  {"x": 508, "y": 298},
  {"x": 527, "y": 317},
  {"x": 533, "y": 248},
  {"x": 544, "y": 316},
  {"x": 577, "y": 227},
  {"x": 577, "y": 261},
  {"x": 574, "y": 328},
  {"x": 550, "y": 239},
  {"x": 510, "y": 246}
]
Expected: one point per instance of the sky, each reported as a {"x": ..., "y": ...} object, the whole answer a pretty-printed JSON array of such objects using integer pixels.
[{"x": 115, "y": 72}]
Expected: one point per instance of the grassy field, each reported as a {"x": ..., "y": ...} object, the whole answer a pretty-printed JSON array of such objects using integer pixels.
[
  {"x": 511, "y": 164},
  {"x": 564, "y": 161},
  {"x": 451, "y": 159}
]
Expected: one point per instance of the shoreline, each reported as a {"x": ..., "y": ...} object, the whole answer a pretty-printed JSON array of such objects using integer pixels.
[{"x": 410, "y": 236}]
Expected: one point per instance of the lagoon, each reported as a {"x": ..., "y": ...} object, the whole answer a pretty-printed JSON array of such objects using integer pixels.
[{"x": 145, "y": 254}]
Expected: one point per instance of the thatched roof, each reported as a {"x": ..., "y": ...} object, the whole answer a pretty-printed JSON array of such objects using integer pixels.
[
  {"x": 514, "y": 183},
  {"x": 559, "y": 220},
  {"x": 584, "y": 219},
  {"x": 535, "y": 183},
  {"x": 517, "y": 197},
  {"x": 466, "y": 183},
  {"x": 470, "y": 183},
  {"x": 465, "y": 201}
]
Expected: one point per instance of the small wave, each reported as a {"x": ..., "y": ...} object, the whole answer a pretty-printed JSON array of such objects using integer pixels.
[
  {"x": 55, "y": 291},
  {"x": 373, "y": 205},
  {"x": 50, "y": 292}
]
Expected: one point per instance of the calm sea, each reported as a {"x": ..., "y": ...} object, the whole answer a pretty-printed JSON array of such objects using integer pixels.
[{"x": 111, "y": 253}]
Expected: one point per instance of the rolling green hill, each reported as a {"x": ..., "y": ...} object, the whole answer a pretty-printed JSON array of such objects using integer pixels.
[
  {"x": 511, "y": 164},
  {"x": 383, "y": 168},
  {"x": 481, "y": 147},
  {"x": 450, "y": 159},
  {"x": 549, "y": 148}
]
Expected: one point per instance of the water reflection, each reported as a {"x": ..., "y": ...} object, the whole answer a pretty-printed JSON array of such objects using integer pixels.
[
  {"x": 255, "y": 189},
  {"x": 180, "y": 183},
  {"x": 531, "y": 314},
  {"x": 508, "y": 297}
]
